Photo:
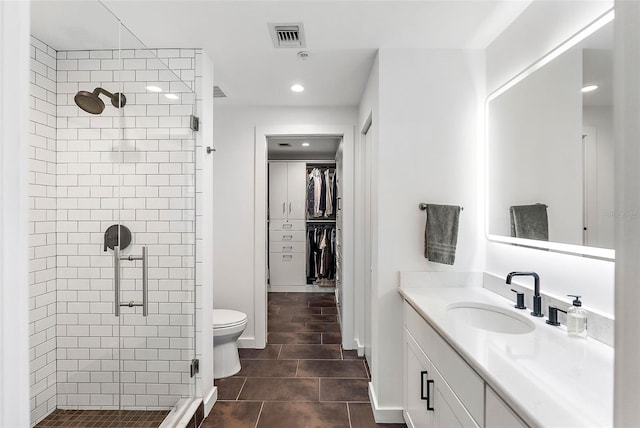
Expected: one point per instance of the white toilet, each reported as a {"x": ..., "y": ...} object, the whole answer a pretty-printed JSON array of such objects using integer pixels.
[{"x": 228, "y": 325}]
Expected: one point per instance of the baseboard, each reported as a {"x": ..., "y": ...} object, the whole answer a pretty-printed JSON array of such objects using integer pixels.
[
  {"x": 384, "y": 415},
  {"x": 247, "y": 342},
  {"x": 182, "y": 413},
  {"x": 210, "y": 399},
  {"x": 359, "y": 347}
]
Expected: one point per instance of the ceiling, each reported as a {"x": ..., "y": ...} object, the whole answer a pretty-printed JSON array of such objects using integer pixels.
[{"x": 341, "y": 36}]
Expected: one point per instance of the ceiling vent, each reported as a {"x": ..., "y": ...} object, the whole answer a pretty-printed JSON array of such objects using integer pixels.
[
  {"x": 218, "y": 93},
  {"x": 287, "y": 35}
]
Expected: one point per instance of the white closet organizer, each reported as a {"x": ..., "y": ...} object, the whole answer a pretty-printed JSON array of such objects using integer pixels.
[
  {"x": 321, "y": 263},
  {"x": 291, "y": 254},
  {"x": 287, "y": 246}
]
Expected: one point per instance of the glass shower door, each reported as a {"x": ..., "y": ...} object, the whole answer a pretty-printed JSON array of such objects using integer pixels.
[
  {"x": 125, "y": 222},
  {"x": 156, "y": 287}
]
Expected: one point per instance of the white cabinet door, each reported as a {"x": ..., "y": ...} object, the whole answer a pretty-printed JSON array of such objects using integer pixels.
[
  {"x": 278, "y": 202},
  {"x": 498, "y": 414},
  {"x": 297, "y": 190},
  {"x": 428, "y": 401},
  {"x": 416, "y": 370},
  {"x": 448, "y": 411}
]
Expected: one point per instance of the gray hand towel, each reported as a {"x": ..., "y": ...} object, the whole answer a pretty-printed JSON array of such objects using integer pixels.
[
  {"x": 529, "y": 222},
  {"x": 441, "y": 233}
]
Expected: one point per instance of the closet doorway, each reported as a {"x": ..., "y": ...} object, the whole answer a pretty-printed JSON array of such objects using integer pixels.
[
  {"x": 302, "y": 212},
  {"x": 304, "y": 218}
]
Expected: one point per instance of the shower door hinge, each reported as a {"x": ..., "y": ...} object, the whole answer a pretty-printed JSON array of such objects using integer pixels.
[
  {"x": 195, "y": 367},
  {"x": 194, "y": 123}
]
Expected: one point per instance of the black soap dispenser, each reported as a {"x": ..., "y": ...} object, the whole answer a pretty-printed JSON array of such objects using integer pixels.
[{"x": 576, "y": 318}]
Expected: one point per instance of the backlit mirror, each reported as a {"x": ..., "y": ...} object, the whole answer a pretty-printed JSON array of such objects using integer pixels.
[{"x": 550, "y": 149}]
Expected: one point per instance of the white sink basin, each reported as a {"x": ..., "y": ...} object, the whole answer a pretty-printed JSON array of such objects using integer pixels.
[{"x": 490, "y": 317}]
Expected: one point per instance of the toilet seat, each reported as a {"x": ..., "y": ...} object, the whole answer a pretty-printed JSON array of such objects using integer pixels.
[{"x": 225, "y": 318}]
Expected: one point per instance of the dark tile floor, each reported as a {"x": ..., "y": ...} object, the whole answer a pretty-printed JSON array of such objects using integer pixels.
[
  {"x": 303, "y": 378},
  {"x": 104, "y": 418}
]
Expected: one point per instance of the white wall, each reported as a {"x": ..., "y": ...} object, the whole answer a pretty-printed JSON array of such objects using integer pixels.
[
  {"x": 233, "y": 193},
  {"x": 601, "y": 119},
  {"x": 42, "y": 230},
  {"x": 535, "y": 149},
  {"x": 627, "y": 129},
  {"x": 14, "y": 280},
  {"x": 425, "y": 151},
  {"x": 135, "y": 167},
  {"x": 541, "y": 27},
  {"x": 204, "y": 228}
]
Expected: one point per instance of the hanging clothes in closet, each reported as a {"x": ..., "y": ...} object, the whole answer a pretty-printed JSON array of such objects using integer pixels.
[
  {"x": 321, "y": 192},
  {"x": 321, "y": 252}
]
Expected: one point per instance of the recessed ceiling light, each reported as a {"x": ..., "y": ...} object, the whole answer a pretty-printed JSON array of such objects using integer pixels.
[
  {"x": 589, "y": 88},
  {"x": 154, "y": 89},
  {"x": 171, "y": 96},
  {"x": 305, "y": 144},
  {"x": 297, "y": 88}
]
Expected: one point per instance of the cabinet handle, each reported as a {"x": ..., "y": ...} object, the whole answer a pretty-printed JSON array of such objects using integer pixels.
[
  {"x": 287, "y": 226},
  {"x": 425, "y": 395},
  {"x": 287, "y": 237},
  {"x": 283, "y": 207},
  {"x": 286, "y": 258},
  {"x": 429, "y": 407},
  {"x": 422, "y": 375},
  {"x": 287, "y": 248},
  {"x": 289, "y": 207}
]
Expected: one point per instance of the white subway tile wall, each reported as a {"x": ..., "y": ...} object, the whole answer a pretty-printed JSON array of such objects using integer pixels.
[
  {"x": 42, "y": 230},
  {"x": 133, "y": 166}
]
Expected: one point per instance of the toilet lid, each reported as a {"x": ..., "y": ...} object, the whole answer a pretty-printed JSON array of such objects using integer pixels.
[{"x": 227, "y": 318}]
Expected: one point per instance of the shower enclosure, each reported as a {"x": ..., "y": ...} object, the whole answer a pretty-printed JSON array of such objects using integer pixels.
[{"x": 113, "y": 215}]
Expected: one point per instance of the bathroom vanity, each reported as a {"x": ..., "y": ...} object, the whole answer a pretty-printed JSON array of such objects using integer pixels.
[{"x": 472, "y": 360}]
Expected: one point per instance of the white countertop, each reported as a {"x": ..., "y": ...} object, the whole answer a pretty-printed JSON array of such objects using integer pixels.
[{"x": 547, "y": 377}]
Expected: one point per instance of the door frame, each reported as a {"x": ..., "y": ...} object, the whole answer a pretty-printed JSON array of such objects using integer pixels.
[{"x": 260, "y": 223}]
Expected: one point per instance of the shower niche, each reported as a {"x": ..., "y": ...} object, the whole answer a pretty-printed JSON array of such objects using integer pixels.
[{"x": 101, "y": 160}]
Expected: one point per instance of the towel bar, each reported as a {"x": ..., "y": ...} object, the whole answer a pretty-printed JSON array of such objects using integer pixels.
[{"x": 423, "y": 206}]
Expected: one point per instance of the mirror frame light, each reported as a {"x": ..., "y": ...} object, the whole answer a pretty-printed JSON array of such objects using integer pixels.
[{"x": 603, "y": 253}]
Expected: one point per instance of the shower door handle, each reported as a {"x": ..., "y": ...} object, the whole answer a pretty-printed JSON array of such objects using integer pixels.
[
  {"x": 116, "y": 267},
  {"x": 145, "y": 280}
]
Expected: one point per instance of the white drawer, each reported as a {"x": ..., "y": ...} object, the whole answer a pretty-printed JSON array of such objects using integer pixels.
[
  {"x": 287, "y": 269},
  {"x": 287, "y": 247},
  {"x": 468, "y": 386},
  {"x": 287, "y": 225},
  {"x": 287, "y": 236}
]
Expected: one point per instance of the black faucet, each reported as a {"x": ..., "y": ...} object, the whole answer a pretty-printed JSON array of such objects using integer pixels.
[{"x": 537, "y": 300}]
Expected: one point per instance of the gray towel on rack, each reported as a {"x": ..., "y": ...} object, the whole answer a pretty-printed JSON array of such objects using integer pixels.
[
  {"x": 441, "y": 233},
  {"x": 529, "y": 222}
]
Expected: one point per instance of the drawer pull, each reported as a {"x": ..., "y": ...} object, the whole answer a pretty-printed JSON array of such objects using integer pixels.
[
  {"x": 287, "y": 248},
  {"x": 429, "y": 407},
  {"x": 287, "y": 257},
  {"x": 287, "y": 226},
  {"x": 287, "y": 237},
  {"x": 425, "y": 393},
  {"x": 422, "y": 388}
]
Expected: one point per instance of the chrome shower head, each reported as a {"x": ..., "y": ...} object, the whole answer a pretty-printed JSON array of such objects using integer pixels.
[{"x": 91, "y": 102}]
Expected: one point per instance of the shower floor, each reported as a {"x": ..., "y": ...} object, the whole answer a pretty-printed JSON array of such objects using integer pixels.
[{"x": 104, "y": 418}]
